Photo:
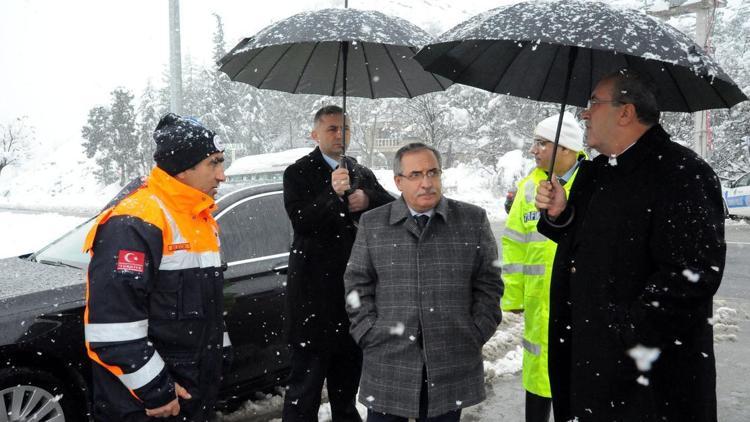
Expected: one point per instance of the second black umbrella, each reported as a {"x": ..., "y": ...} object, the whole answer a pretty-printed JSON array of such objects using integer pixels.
[
  {"x": 335, "y": 52},
  {"x": 558, "y": 51}
]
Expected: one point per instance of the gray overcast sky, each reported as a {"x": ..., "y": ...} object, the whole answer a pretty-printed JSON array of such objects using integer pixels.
[{"x": 60, "y": 58}]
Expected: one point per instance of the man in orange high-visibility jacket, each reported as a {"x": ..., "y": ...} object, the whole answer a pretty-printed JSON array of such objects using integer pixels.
[{"x": 154, "y": 303}]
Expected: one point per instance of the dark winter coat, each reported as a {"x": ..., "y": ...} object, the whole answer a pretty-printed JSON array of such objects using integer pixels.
[
  {"x": 429, "y": 299},
  {"x": 324, "y": 232},
  {"x": 155, "y": 303},
  {"x": 638, "y": 265}
]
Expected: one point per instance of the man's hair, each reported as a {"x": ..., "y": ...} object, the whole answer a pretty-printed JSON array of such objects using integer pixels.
[
  {"x": 631, "y": 87},
  {"x": 413, "y": 147},
  {"x": 327, "y": 111}
]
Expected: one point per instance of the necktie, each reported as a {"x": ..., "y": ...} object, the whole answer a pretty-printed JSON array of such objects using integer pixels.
[{"x": 421, "y": 221}]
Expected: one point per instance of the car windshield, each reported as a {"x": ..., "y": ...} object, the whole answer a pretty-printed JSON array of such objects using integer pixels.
[{"x": 67, "y": 250}]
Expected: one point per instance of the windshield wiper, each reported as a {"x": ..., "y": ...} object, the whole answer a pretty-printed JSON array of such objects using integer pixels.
[{"x": 58, "y": 264}]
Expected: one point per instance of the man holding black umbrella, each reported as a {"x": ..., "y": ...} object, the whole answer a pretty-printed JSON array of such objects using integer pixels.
[
  {"x": 640, "y": 255},
  {"x": 323, "y": 202}
]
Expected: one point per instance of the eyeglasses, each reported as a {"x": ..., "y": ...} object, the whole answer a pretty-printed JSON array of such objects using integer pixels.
[
  {"x": 419, "y": 175},
  {"x": 540, "y": 143},
  {"x": 594, "y": 101}
]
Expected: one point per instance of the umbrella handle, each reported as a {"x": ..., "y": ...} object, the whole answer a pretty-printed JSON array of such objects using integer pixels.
[
  {"x": 345, "y": 54},
  {"x": 572, "y": 54}
]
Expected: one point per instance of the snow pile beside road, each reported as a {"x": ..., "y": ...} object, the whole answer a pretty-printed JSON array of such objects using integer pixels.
[
  {"x": 503, "y": 354},
  {"x": 59, "y": 179},
  {"x": 264, "y": 407},
  {"x": 26, "y": 233},
  {"x": 473, "y": 184},
  {"x": 725, "y": 322}
]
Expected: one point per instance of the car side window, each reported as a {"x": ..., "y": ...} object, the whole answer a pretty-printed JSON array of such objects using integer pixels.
[
  {"x": 255, "y": 227},
  {"x": 743, "y": 181}
]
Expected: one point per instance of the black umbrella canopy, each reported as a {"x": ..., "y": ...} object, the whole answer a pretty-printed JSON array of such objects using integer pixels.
[
  {"x": 526, "y": 50},
  {"x": 305, "y": 54}
]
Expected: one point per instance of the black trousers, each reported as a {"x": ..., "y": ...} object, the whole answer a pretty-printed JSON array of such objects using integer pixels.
[
  {"x": 452, "y": 416},
  {"x": 340, "y": 366},
  {"x": 537, "y": 408}
]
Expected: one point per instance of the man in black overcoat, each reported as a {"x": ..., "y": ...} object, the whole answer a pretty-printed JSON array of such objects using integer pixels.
[
  {"x": 324, "y": 200},
  {"x": 640, "y": 255}
]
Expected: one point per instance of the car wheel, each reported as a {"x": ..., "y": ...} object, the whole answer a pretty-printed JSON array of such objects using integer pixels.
[{"x": 33, "y": 395}]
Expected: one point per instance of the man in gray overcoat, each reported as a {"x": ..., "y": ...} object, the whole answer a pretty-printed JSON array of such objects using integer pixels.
[{"x": 423, "y": 296}]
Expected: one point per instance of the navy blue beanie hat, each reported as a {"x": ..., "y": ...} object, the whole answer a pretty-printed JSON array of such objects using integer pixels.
[{"x": 182, "y": 142}]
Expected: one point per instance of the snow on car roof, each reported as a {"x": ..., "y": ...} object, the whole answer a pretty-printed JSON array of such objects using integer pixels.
[{"x": 266, "y": 162}]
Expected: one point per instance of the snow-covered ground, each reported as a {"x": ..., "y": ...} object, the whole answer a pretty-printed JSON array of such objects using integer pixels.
[
  {"x": 28, "y": 232},
  {"x": 55, "y": 179}
]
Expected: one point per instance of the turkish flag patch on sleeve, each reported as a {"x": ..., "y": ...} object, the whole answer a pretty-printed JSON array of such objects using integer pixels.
[{"x": 130, "y": 261}]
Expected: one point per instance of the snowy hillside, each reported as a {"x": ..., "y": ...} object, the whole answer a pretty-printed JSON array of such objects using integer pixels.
[{"x": 59, "y": 178}]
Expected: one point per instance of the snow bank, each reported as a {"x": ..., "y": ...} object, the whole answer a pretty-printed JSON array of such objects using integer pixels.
[
  {"x": 725, "y": 322},
  {"x": 59, "y": 179},
  {"x": 26, "y": 233}
]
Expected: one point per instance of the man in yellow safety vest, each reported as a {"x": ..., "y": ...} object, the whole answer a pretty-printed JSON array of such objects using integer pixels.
[{"x": 527, "y": 256}]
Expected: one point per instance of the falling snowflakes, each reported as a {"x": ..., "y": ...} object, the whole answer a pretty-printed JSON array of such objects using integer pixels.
[
  {"x": 644, "y": 356},
  {"x": 691, "y": 276},
  {"x": 397, "y": 330},
  {"x": 352, "y": 299}
]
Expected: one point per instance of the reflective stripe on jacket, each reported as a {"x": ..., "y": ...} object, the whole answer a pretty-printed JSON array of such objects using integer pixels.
[
  {"x": 527, "y": 258},
  {"x": 154, "y": 299}
]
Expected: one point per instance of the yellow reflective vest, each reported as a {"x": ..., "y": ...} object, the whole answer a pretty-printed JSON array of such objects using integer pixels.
[{"x": 527, "y": 271}]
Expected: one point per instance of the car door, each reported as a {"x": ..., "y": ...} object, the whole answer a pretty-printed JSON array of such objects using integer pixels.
[
  {"x": 255, "y": 240},
  {"x": 738, "y": 197}
]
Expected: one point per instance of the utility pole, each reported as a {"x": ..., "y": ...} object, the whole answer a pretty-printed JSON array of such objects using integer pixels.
[
  {"x": 175, "y": 58},
  {"x": 704, "y": 10}
]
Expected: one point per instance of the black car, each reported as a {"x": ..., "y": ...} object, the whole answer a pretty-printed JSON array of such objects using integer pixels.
[{"x": 45, "y": 373}]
